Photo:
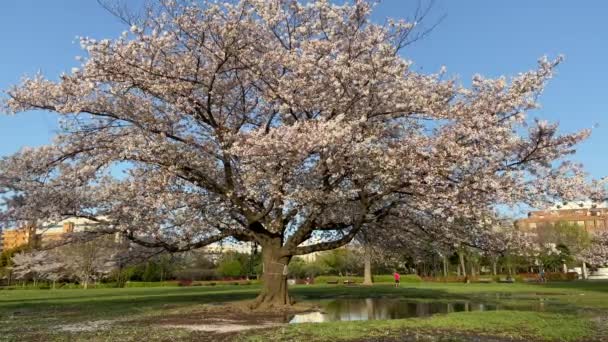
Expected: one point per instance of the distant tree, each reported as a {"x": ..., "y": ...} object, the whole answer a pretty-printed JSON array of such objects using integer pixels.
[
  {"x": 7, "y": 255},
  {"x": 339, "y": 261},
  {"x": 89, "y": 260},
  {"x": 230, "y": 268},
  {"x": 572, "y": 237},
  {"x": 596, "y": 253},
  {"x": 297, "y": 267},
  {"x": 151, "y": 271},
  {"x": 37, "y": 265}
]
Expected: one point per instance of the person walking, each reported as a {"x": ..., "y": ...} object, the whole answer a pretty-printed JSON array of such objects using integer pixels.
[
  {"x": 542, "y": 275},
  {"x": 397, "y": 278}
]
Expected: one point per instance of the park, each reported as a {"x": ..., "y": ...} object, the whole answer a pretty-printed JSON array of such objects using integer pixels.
[
  {"x": 314, "y": 170},
  {"x": 527, "y": 312}
]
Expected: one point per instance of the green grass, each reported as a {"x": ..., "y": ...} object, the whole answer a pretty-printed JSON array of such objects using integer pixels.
[
  {"x": 38, "y": 315},
  {"x": 518, "y": 324}
]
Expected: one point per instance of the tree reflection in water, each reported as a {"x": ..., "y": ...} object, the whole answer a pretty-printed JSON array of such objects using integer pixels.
[{"x": 384, "y": 308}]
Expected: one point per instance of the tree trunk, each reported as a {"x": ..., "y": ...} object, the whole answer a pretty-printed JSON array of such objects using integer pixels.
[
  {"x": 584, "y": 270},
  {"x": 462, "y": 264},
  {"x": 274, "y": 277},
  {"x": 367, "y": 272},
  {"x": 494, "y": 268},
  {"x": 445, "y": 266}
]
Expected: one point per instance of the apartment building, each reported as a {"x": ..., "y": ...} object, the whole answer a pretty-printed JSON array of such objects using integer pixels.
[
  {"x": 46, "y": 233},
  {"x": 593, "y": 218}
]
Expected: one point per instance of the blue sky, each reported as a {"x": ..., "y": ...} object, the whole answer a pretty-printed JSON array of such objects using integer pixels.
[{"x": 492, "y": 38}]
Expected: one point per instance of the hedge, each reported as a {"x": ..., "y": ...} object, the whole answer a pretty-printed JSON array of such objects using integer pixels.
[{"x": 382, "y": 278}]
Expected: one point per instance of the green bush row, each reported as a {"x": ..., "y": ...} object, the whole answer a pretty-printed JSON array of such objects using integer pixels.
[
  {"x": 382, "y": 278},
  {"x": 130, "y": 284}
]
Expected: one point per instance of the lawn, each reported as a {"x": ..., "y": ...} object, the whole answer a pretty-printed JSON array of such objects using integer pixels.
[{"x": 578, "y": 311}]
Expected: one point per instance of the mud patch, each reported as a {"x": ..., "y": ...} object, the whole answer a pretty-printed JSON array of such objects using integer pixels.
[
  {"x": 227, "y": 318},
  {"x": 224, "y": 328},
  {"x": 87, "y": 326}
]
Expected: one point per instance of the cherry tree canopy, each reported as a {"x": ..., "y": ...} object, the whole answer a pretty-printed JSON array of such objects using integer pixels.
[
  {"x": 597, "y": 252},
  {"x": 291, "y": 124}
]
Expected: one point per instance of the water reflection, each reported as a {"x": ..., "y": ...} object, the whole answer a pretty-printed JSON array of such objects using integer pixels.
[{"x": 384, "y": 308}]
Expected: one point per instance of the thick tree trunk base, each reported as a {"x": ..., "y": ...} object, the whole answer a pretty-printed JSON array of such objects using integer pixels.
[
  {"x": 274, "y": 294},
  {"x": 268, "y": 301}
]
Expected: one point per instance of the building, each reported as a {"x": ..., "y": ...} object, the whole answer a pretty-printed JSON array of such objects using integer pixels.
[
  {"x": 47, "y": 233},
  {"x": 13, "y": 238},
  {"x": 593, "y": 218},
  {"x": 54, "y": 231}
]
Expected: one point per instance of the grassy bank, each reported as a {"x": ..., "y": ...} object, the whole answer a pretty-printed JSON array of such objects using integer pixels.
[
  {"x": 155, "y": 313},
  {"x": 512, "y": 324}
]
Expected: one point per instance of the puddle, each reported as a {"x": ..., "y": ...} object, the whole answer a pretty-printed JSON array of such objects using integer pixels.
[{"x": 392, "y": 308}]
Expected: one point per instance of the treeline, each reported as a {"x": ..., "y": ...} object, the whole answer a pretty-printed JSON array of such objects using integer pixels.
[{"x": 22, "y": 266}]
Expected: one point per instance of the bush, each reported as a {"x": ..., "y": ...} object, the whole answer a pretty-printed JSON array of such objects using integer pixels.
[
  {"x": 184, "y": 282},
  {"x": 382, "y": 278},
  {"x": 448, "y": 279},
  {"x": 339, "y": 279},
  {"x": 558, "y": 276},
  {"x": 196, "y": 274},
  {"x": 151, "y": 284},
  {"x": 389, "y": 278}
]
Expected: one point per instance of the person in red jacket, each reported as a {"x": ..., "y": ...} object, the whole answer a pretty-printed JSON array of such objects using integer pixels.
[{"x": 397, "y": 278}]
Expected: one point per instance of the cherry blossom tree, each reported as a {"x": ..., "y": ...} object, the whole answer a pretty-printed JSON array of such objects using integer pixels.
[
  {"x": 37, "y": 265},
  {"x": 87, "y": 261},
  {"x": 81, "y": 256},
  {"x": 294, "y": 125},
  {"x": 596, "y": 253}
]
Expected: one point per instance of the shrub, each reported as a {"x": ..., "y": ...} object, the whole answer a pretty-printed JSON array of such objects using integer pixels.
[
  {"x": 405, "y": 278},
  {"x": 558, "y": 276},
  {"x": 151, "y": 284},
  {"x": 196, "y": 274},
  {"x": 382, "y": 278},
  {"x": 448, "y": 279},
  {"x": 184, "y": 282}
]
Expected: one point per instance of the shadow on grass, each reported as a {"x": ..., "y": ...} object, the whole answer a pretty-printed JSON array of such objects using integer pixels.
[
  {"x": 79, "y": 295},
  {"x": 110, "y": 306}
]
